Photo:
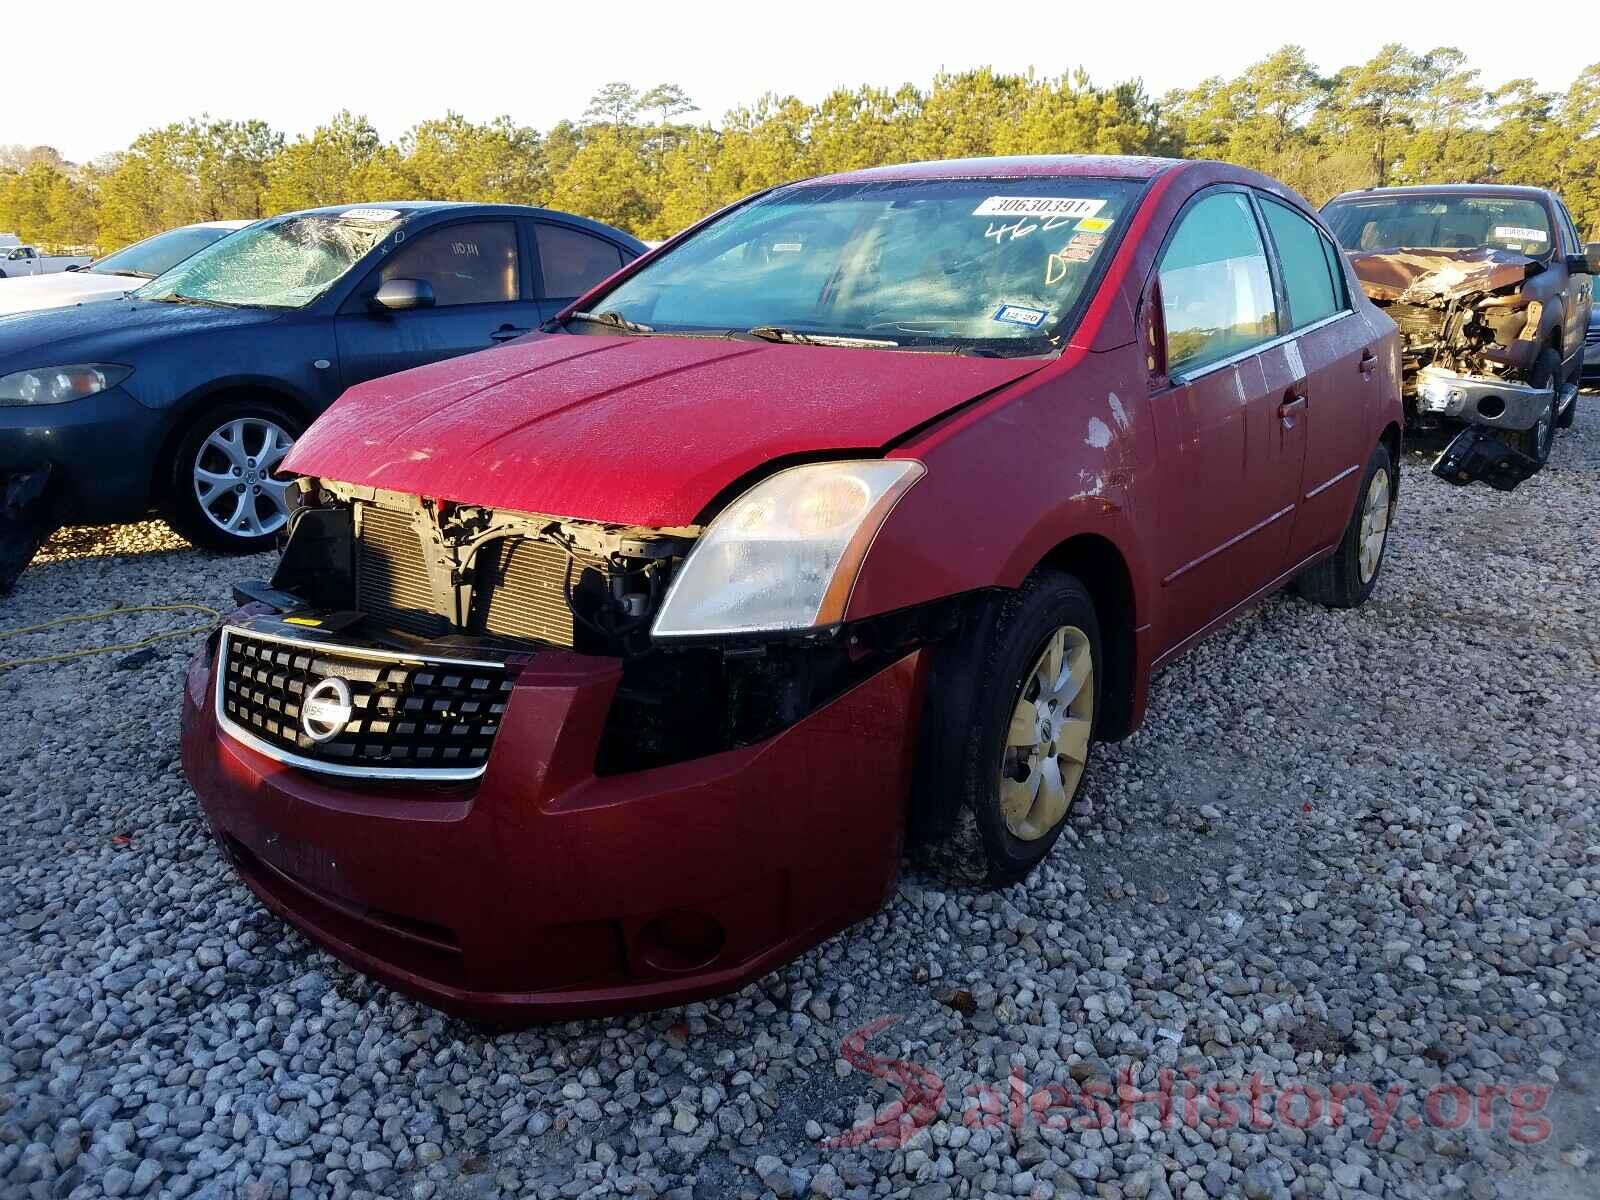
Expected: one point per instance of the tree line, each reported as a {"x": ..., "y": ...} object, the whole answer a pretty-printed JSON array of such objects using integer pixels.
[{"x": 633, "y": 159}]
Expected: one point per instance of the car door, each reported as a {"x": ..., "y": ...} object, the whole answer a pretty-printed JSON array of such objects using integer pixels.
[
  {"x": 1227, "y": 407},
  {"x": 1336, "y": 352},
  {"x": 1579, "y": 296},
  {"x": 571, "y": 262},
  {"x": 482, "y": 297}
]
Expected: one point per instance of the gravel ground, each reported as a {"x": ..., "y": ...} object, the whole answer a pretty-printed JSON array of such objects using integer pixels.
[{"x": 1348, "y": 849}]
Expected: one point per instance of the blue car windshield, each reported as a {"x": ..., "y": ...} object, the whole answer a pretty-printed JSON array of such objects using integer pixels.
[
  {"x": 283, "y": 263},
  {"x": 1001, "y": 265}
]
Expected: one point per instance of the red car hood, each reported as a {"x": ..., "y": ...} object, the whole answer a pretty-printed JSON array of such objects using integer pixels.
[{"x": 635, "y": 430}]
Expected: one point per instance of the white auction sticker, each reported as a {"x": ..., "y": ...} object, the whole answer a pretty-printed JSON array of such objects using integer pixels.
[
  {"x": 1515, "y": 233},
  {"x": 1037, "y": 206}
]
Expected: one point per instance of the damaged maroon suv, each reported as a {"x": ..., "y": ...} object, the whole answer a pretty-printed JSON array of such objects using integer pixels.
[{"x": 613, "y": 667}]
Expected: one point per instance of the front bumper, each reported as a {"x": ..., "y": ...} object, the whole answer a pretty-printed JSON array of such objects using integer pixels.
[
  {"x": 544, "y": 892},
  {"x": 101, "y": 451},
  {"x": 1480, "y": 400}
]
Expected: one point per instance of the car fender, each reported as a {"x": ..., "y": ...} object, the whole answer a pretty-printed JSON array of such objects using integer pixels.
[{"x": 1048, "y": 459}]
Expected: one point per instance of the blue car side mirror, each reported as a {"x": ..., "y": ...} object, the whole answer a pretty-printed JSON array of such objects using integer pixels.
[{"x": 400, "y": 295}]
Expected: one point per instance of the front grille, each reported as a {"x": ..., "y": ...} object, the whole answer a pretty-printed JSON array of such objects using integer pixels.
[
  {"x": 412, "y": 718},
  {"x": 521, "y": 589},
  {"x": 392, "y": 582}
]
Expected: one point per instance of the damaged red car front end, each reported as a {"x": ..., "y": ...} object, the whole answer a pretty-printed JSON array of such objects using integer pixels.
[{"x": 540, "y": 890}]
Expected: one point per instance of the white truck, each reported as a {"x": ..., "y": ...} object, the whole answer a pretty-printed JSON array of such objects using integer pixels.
[{"x": 18, "y": 260}]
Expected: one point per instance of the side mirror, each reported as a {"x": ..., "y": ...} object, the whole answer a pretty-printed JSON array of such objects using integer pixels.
[{"x": 401, "y": 295}]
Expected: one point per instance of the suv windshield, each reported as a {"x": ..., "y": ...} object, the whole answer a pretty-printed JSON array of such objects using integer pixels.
[
  {"x": 162, "y": 252},
  {"x": 1440, "y": 223},
  {"x": 283, "y": 263},
  {"x": 1001, "y": 265}
]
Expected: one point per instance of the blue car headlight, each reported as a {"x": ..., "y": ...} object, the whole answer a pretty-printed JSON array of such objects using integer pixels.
[{"x": 54, "y": 385}]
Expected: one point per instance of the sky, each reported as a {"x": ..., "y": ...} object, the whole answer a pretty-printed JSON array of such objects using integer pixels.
[{"x": 141, "y": 65}]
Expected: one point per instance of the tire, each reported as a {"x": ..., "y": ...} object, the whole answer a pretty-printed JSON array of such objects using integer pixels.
[
  {"x": 224, "y": 443},
  {"x": 975, "y": 689},
  {"x": 1347, "y": 578},
  {"x": 1537, "y": 442}
]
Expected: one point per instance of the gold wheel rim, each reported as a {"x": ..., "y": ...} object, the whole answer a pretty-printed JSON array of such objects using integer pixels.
[
  {"x": 1374, "y": 525},
  {"x": 1047, "y": 743}
]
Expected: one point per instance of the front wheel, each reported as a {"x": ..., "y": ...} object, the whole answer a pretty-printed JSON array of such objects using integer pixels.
[
  {"x": 1538, "y": 442},
  {"x": 1011, "y": 720},
  {"x": 222, "y": 493},
  {"x": 1347, "y": 578}
]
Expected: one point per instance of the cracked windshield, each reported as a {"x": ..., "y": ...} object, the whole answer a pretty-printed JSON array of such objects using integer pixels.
[
  {"x": 286, "y": 263},
  {"x": 998, "y": 264}
]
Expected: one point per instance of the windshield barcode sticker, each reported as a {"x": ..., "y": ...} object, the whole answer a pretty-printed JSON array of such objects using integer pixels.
[
  {"x": 1517, "y": 233},
  {"x": 1037, "y": 206}
]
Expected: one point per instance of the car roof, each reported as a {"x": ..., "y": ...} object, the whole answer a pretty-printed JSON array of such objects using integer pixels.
[
  {"x": 473, "y": 208},
  {"x": 217, "y": 225},
  {"x": 1508, "y": 191},
  {"x": 1076, "y": 166}
]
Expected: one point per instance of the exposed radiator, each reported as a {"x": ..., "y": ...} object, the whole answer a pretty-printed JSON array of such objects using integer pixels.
[
  {"x": 392, "y": 583},
  {"x": 521, "y": 589},
  {"x": 519, "y": 584}
]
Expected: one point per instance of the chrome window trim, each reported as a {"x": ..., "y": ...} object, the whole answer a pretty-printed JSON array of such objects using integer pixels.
[
  {"x": 289, "y": 758},
  {"x": 1232, "y": 360}
]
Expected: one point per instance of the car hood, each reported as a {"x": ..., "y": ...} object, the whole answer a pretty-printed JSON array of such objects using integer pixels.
[
  {"x": 114, "y": 332},
  {"x": 635, "y": 430},
  {"x": 1421, "y": 276},
  {"x": 54, "y": 291}
]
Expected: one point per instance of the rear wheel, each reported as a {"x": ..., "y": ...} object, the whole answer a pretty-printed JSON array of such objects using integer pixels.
[
  {"x": 1347, "y": 578},
  {"x": 222, "y": 492},
  {"x": 1537, "y": 442}
]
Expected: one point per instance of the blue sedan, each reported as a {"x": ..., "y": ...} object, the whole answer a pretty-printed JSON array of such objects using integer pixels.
[{"x": 184, "y": 397}]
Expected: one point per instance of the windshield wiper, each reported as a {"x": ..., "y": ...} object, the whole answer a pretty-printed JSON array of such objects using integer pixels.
[
  {"x": 614, "y": 319},
  {"x": 180, "y": 298},
  {"x": 777, "y": 333},
  {"x": 129, "y": 274}
]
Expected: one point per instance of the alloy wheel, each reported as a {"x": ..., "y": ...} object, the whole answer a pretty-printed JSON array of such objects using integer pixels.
[
  {"x": 233, "y": 478},
  {"x": 1047, "y": 743},
  {"x": 1374, "y": 525}
]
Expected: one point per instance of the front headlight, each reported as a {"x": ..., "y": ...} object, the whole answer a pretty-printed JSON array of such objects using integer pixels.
[
  {"x": 784, "y": 555},
  {"x": 53, "y": 385}
]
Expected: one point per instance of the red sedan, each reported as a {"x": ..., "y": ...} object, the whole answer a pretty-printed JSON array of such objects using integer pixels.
[{"x": 611, "y": 668}]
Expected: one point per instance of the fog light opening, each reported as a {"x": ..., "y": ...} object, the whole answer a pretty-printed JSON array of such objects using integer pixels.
[
  {"x": 679, "y": 941},
  {"x": 1491, "y": 408}
]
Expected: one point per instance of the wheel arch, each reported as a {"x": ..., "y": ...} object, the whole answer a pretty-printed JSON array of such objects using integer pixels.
[
  {"x": 1101, "y": 567},
  {"x": 220, "y": 392},
  {"x": 1392, "y": 438}
]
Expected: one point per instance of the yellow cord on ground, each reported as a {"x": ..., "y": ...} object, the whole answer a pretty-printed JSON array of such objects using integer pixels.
[{"x": 6, "y": 664}]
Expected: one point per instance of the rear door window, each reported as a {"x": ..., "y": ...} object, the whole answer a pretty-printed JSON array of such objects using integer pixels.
[
  {"x": 1216, "y": 288},
  {"x": 573, "y": 261},
  {"x": 1307, "y": 278}
]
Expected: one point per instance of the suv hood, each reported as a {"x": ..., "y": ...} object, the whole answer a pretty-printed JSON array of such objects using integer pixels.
[
  {"x": 634, "y": 430},
  {"x": 1421, "y": 276}
]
